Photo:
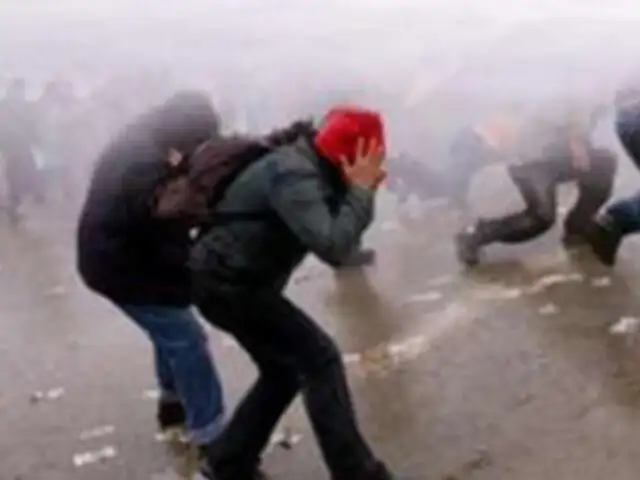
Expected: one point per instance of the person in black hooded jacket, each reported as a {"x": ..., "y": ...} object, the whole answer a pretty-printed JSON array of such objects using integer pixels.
[{"x": 138, "y": 262}]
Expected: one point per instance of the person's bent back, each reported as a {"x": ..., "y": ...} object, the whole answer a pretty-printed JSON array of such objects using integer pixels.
[
  {"x": 293, "y": 201},
  {"x": 139, "y": 262},
  {"x": 317, "y": 196}
]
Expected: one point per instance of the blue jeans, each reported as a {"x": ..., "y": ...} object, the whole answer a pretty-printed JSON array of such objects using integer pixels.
[
  {"x": 626, "y": 214},
  {"x": 184, "y": 366}
]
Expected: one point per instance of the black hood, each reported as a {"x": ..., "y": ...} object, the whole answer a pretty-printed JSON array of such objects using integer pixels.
[{"x": 183, "y": 122}]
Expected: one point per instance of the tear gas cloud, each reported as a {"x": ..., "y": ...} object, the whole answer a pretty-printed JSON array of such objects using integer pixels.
[{"x": 429, "y": 65}]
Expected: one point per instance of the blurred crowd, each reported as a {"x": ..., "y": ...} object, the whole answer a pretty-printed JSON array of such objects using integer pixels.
[{"x": 49, "y": 141}]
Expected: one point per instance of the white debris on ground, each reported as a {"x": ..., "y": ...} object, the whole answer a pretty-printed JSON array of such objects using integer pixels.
[
  {"x": 601, "y": 282},
  {"x": 285, "y": 439},
  {"x": 350, "y": 358},
  {"x": 172, "y": 435},
  {"x": 98, "y": 432},
  {"x": 95, "y": 456},
  {"x": 499, "y": 292},
  {"x": 406, "y": 350},
  {"x": 47, "y": 395},
  {"x": 381, "y": 359},
  {"x": 626, "y": 326},
  {"x": 554, "y": 279},
  {"x": 548, "y": 310}
]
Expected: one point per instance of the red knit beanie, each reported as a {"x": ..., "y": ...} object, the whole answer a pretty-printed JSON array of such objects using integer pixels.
[{"x": 343, "y": 126}]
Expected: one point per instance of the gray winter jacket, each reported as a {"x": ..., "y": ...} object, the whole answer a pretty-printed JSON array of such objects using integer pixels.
[{"x": 283, "y": 206}]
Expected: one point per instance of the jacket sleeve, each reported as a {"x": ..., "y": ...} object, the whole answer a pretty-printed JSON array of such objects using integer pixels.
[{"x": 296, "y": 192}]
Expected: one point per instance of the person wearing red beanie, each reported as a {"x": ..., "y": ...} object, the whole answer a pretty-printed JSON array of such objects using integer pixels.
[
  {"x": 343, "y": 127},
  {"x": 313, "y": 196},
  {"x": 336, "y": 140}
]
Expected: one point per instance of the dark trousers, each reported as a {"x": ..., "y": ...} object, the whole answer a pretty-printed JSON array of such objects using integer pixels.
[
  {"x": 293, "y": 355},
  {"x": 537, "y": 183}
]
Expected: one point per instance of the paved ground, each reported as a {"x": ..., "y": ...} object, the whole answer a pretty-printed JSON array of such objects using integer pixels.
[{"x": 509, "y": 372}]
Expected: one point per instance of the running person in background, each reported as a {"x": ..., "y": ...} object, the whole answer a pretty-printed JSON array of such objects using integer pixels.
[{"x": 541, "y": 156}]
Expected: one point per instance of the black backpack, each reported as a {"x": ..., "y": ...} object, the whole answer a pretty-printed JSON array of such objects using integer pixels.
[{"x": 193, "y": 193}]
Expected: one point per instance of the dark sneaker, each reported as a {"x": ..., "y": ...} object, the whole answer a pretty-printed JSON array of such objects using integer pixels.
[
  {"x": 171, "y": 414},
  {"x": 211, "y": 468},
  {"x": 467, "y": 248},
  {"x": 605, "y": 239}
]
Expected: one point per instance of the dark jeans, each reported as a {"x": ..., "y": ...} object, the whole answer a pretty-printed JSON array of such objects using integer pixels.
[
  {"x": 537, "y": 183},
  {"x": 292, "y": 354}
]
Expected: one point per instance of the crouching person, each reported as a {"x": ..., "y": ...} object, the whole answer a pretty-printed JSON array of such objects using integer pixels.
[
  {"x": 139, "y": 262},
  {"x": 314, "y": 195},
  {"x": 545, "y": 156}
]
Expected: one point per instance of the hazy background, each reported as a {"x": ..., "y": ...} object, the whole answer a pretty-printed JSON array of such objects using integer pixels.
[{"x": 274, "y": 58}]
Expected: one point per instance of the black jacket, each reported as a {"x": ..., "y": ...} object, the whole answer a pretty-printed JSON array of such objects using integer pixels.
[{"x": 123, "y": 252}]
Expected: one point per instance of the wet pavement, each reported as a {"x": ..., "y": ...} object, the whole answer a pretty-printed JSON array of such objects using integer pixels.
[{"x": 510, "y": 371}]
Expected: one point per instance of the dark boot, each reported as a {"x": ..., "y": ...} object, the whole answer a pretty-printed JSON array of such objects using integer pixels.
[
  {"x": 171, "y": 414},
  {"x": 605, "y": 238},
  {"x": 212, "y": 470},
  {"x": 208, "y": 471}
]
